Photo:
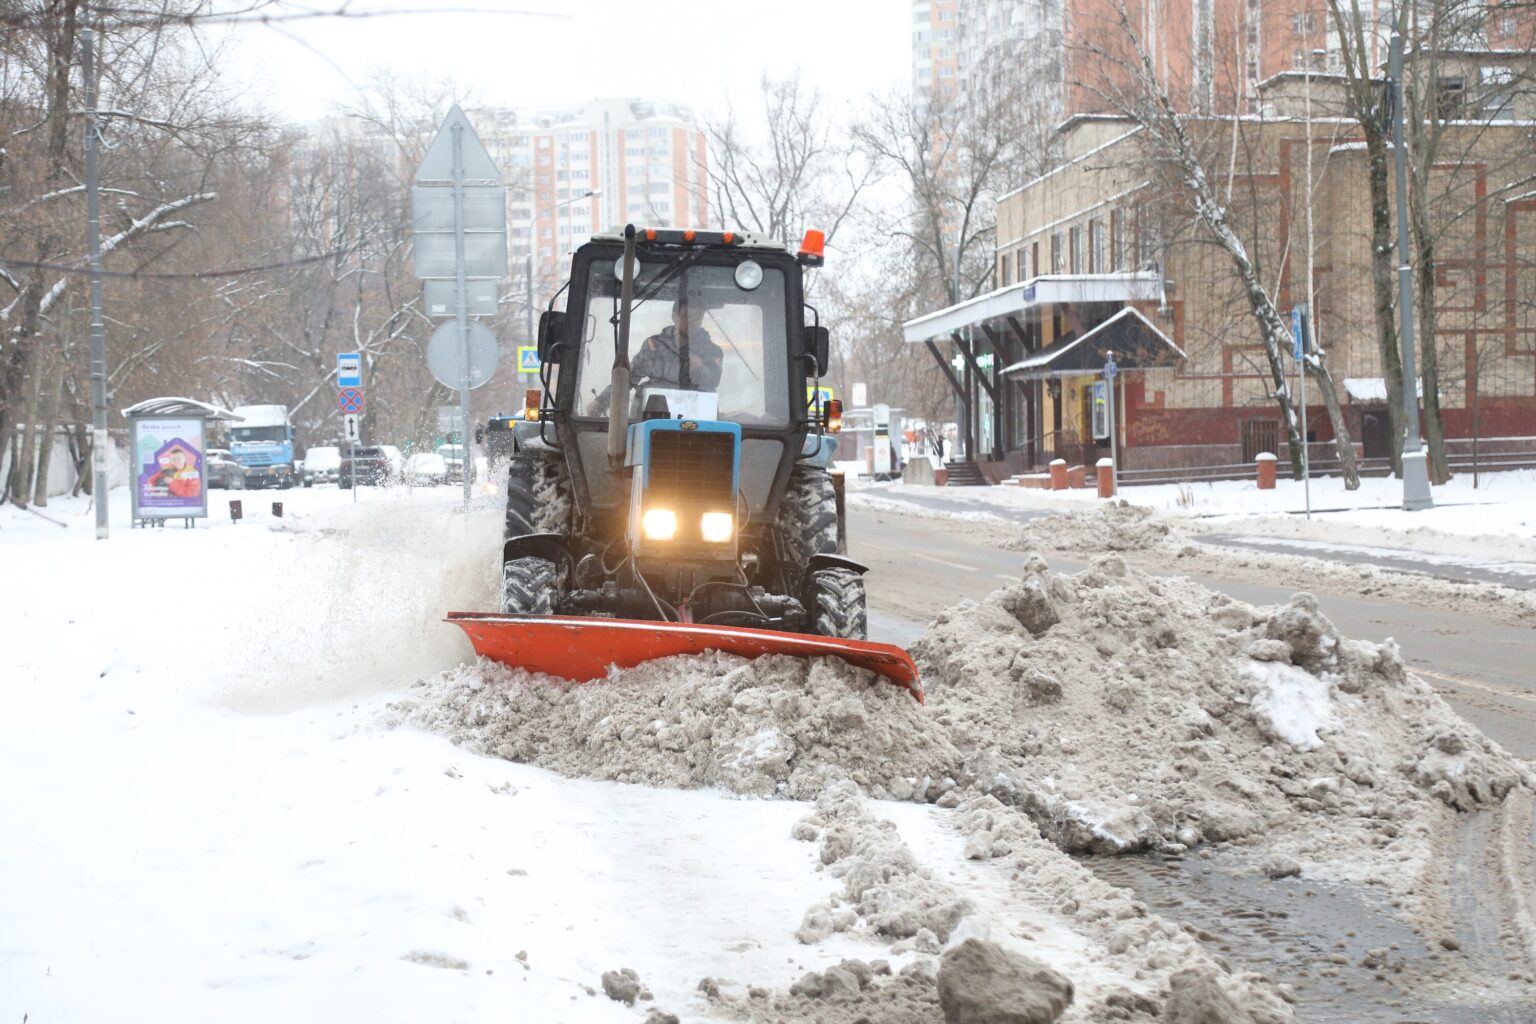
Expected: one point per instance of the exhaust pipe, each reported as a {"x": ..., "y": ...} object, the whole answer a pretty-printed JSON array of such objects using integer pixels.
[{"x": 618, "y": 392}]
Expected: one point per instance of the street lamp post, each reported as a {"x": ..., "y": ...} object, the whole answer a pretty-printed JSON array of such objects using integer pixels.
[
  {"x": 533, "y": 224},
  {"x": 1416, "y": 494}
]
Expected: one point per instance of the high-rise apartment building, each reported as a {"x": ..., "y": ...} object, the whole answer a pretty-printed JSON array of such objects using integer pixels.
[
  {"x": 1209, "y": 54},
  {"x": 577, "y": 171},
  {"x": 935, "y": 47}
]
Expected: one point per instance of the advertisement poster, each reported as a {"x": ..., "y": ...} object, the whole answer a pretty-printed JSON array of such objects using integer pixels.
[{"x": 168, "y": 468}]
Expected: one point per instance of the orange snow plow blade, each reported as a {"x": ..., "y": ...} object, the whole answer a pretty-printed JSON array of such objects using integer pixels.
[{"x": 582, "y": 649}]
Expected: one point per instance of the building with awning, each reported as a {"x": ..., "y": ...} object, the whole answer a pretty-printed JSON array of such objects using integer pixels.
[{"x": 1006, "y": 353}]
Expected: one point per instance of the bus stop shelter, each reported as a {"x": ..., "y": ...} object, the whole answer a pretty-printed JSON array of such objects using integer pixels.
[{"x": 166, "y": 458}]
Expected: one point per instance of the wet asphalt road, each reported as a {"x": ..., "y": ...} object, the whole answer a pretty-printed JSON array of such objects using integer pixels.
[{"x": 1484, "y": 669}]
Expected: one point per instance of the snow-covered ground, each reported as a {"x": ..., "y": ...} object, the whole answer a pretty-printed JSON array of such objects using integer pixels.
[
  {"x": 229, "y": 787},
  {"x": 199, "y": 824},
  {"x": 1498, "y": 517}
]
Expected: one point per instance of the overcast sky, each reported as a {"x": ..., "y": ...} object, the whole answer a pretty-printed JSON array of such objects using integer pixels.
[{"x": 694, "y": 51}]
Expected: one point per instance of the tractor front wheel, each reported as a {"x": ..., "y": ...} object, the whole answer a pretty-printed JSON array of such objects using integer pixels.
[
  {"x": 529, "y": 586},
  {"x": 837, "y": 601}
]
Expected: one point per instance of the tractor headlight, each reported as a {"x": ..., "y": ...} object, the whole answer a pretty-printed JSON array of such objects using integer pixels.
[
  {"x": 717, "y": 527},
  {"x": 659, "y": 523}
]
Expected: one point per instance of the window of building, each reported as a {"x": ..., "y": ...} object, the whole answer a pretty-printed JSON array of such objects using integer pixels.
[
  {"x": 1259, "y": 436},
  {"x": 1303, "y": 24},
  {"x": 659, "y": 187},
  {"x": 1096, "y": 263},
  {"x": 635, "y": 190},
  {"x": 1498, "y": 93},
  {"x": 634, "y": 151},
  {"x": 1075, "y": 254},
  {"x": 658, "y": 133},
  {"x": 544, "y": 141},
  {"x": 1450, "y": 98},
  {"x": 1020, "y": 267},
  {"x": 1116, "y": 228},
  {"x": 1057, "y": 256},
  {"x": 1002, "y": 270}
]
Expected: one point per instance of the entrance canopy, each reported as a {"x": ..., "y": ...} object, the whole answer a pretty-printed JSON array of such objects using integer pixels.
[
  {"x": 1018, "y": 301},
  {"x": 1135, "y": 341}
]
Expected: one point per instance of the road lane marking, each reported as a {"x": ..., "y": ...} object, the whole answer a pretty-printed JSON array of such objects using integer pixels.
[
  {"x": 944, "y": 561},
  {"x": 1472, "y": 684}
]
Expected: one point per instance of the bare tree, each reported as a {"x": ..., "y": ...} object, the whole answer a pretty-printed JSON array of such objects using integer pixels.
[
  {"x": 798, "y": 177},
  {"x": 1179, "y": 164},
  {"x": 166, "y": 127}
]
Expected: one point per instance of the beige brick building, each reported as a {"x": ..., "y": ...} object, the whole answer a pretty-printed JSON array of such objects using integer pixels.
[{"x": 1103, "y": 232}]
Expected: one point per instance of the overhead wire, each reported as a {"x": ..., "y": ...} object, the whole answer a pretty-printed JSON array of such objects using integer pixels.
[{"x": 71, "y": 268}]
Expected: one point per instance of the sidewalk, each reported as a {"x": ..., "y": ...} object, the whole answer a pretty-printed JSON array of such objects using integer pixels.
[{"x": 1487, "y": 535}]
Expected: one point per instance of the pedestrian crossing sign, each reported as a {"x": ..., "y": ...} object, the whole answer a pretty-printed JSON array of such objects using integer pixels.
[{"x": 527, "y": 359}]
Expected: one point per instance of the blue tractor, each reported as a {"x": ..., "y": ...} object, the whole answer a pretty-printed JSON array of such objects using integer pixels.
[{"x": 668, "y": 488}]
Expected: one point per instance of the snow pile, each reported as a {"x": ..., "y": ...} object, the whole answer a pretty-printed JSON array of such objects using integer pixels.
[
  {"x": 779, "y": 726},
  {"x": 1109, "y": 959},
  {"x": 1121, "y": 711},
  {"x": 1113, "y": 526}
]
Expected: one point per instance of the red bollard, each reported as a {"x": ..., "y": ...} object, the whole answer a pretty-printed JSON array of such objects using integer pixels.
[
  {"x": 1058, "y": 474},
  {"x": 1266, "y": 464},
  {"x": 1106, "y": 468}
]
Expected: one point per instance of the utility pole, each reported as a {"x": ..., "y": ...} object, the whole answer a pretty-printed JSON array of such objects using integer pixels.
[
  {"x": 100, "y": 442},
  {"x": 1416, "y": 494}
]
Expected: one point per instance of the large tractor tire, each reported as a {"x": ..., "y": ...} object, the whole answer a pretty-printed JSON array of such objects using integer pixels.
[
  {"x": 808, "y": 518},
  {"x": 538, "y": 501},
  {"x": 538, "y": 493},
  {"x": 838, "y": 597},
  {"x": 529, "y": 586},
  {"x": 808, "y": 525}
]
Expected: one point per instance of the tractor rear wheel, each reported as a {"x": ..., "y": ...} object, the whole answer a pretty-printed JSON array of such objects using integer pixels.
[
  {"x": 529, "y": 586},
  {"x": 838, "y": 603},
  {"x": 538, "y": 493},
  {"x": 808, "y": 518}
]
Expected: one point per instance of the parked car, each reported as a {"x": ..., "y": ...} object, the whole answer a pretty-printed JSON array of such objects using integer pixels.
[
  {"x": 453, "y": 456},
  {"x": 396, "y": 460},
  {"x": 321, "y": 466},
  {"x": 222, "y": 470},
  {"x": 426, "y": 469},
  {"x": 370, "y": 465}
]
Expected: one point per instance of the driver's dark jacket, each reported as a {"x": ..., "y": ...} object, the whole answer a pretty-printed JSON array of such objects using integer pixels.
[{"x": 657, "y": 360}]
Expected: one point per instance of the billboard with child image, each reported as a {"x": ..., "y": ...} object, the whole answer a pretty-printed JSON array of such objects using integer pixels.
[{"x": 168, "y": 480}]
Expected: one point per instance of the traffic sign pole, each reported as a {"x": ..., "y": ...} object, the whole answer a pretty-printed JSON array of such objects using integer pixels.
[{"x": 462, "y": 299}]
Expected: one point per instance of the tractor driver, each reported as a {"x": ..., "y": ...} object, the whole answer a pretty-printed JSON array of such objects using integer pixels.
[{"x": 681, "y": 356}]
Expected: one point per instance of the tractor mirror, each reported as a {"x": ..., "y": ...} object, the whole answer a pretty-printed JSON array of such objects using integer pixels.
[
  {"x": 816, "y": 344},
  {"x": 551, "y": 335}
]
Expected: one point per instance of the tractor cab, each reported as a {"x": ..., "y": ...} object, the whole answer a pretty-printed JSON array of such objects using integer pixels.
[{"x": 717, "y": 333}]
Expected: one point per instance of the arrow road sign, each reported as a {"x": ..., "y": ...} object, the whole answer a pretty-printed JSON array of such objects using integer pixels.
[{"x": 350, "y": 400}]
